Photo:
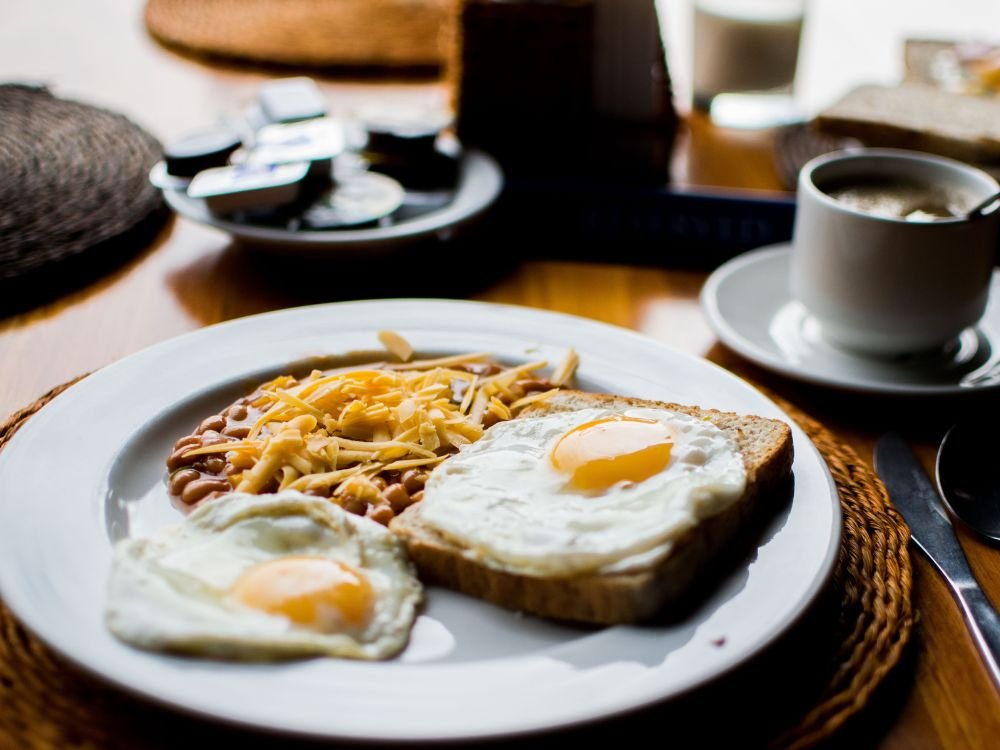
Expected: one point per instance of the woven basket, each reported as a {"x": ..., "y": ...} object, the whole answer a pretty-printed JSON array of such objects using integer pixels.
[
  {"x": 311, "y": 33},
  {"x": 795, "y": 145},
  {"x": 75, "y": 199}
]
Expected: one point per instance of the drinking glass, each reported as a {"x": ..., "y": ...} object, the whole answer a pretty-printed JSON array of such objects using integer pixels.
[{"x": 745, "y": 55}]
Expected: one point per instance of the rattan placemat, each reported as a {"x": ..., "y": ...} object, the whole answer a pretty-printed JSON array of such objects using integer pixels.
[
  {"x": 74, "y": 194},
  {"x": 308, "y": 33},
  {"x": 46, "y": 703},
  {"x": 794, "y": 145}
]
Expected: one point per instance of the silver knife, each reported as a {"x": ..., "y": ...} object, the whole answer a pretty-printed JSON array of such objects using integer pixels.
[{"x": 916, "y": 498}]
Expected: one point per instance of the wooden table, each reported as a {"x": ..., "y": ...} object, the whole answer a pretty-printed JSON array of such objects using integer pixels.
[{"x": 192, "y": 277}]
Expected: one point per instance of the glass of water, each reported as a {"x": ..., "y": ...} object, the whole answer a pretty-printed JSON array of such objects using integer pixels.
[{"x": 745, "y": 56}]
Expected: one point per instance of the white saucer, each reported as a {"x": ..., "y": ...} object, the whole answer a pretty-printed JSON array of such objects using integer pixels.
[{"x": 749, "y": 307}]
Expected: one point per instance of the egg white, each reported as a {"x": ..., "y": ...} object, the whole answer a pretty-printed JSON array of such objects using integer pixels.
[
  {"x": 171, "y": 592},
  {"x": 503, "y": 501}
]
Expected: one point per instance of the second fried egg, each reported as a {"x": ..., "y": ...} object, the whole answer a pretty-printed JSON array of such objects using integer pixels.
[
  {"x": 264, "y": 577},
  {"x": 575, "y": 492}
]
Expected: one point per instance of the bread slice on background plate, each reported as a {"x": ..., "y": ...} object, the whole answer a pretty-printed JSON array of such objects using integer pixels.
[
  {"x": 636, "y": 593},
  {"x": 918, "y": 117}
]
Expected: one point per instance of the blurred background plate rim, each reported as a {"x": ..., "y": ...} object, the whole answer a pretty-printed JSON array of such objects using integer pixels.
[{"x": 480, "y": 183}]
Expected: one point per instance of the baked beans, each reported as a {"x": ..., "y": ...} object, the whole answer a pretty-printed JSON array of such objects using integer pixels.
[{"x": 194, "y": 479}]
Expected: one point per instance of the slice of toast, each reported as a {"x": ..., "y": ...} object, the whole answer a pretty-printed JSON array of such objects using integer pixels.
[
  {"x": 918, "y": 117},
  {"x": 614, "y": 597}
]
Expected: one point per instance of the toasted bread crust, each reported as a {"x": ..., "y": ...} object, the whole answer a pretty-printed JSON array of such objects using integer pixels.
[
  {"x": 911, "y": 116},
  {"x": 614, "y": 598}
]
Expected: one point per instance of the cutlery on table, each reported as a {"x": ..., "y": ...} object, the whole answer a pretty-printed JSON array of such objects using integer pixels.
[{"x": 930, "y": 529}]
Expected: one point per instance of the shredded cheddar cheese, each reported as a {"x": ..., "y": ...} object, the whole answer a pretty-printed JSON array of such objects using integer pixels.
[{"x": 334, "y": 432}]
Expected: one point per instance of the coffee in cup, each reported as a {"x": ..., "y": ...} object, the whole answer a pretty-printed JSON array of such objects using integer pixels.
[
  {"x": 901, "y": 198},
  {"x": 885, "y": 257}
]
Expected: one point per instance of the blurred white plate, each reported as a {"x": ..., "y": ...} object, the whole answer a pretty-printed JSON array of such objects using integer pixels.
[
  {"x": 88, "y": 469},
  {"x": 480, "y": 181}
]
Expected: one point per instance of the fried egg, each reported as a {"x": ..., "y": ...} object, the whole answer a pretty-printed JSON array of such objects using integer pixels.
[
  {"x": 574, "y": 492},
  {"x": 264, "y": 577}
]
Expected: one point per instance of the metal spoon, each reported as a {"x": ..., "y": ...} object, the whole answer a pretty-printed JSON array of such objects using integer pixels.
[
  {"x": 980, "y": 209},
  {"x": 968, "y": 477}
]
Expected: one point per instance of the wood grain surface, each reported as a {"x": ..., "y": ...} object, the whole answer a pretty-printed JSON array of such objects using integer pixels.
[{"x": 192, "y": 277}]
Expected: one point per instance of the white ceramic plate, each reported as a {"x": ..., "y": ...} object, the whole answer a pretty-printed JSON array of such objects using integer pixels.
[
  {"x": 88, "y": 469},
  {"x": 480, "y": 181},
  {"x": 749, "y": 306}
]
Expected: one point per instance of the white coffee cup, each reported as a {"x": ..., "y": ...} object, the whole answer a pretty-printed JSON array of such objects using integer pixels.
[{"x": 883, "y": 285}]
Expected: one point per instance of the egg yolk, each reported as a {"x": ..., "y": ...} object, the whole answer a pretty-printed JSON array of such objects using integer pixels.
[
  {"x": 313, "y": 592},
  {"x": 602, "y": 453}
]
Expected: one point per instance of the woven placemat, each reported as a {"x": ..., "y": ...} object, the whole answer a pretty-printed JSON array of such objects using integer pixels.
[
  {"x": 308, "y": 33},
  {"x": 794, "y": 145},
  {"x": 75, "y": 199},
  {"x": 46, "y": 703}
]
